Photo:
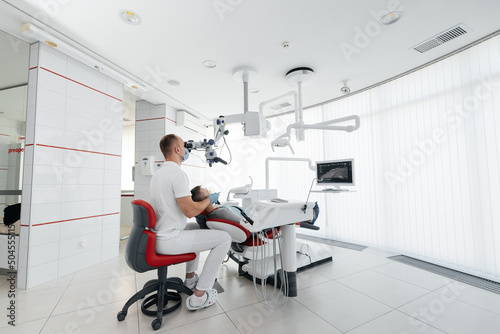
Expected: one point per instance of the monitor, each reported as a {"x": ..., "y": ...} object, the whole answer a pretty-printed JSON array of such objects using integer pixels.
[{"x": 335, "y": 172}]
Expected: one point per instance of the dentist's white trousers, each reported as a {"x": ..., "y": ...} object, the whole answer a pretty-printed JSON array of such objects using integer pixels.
[{"x": 194, "y": 240}]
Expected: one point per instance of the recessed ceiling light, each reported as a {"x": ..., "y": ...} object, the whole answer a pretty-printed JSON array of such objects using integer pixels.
[
  {"x": 130, "y": 17},
  {"x": 134, "y": 87},
  {"x": 209, "y": 64},
  {"x": 173, "y": 82},
  {"x": 254, "y": 90},
  {"x": 390, "y": 18},
  {"x": 52, "y": 44}
]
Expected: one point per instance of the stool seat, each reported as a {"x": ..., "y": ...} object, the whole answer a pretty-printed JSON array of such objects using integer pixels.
[{"x": 141, "y": 256}]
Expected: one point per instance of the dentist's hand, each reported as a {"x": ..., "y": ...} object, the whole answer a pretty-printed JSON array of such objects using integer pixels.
[{"x": 214, "y": 197}]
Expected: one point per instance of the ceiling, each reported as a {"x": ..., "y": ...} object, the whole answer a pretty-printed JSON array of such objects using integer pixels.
[{"x": 341, "y": 40}]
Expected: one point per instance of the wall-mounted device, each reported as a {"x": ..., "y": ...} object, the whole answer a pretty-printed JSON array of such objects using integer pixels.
[{"x": 147, "y": 165}]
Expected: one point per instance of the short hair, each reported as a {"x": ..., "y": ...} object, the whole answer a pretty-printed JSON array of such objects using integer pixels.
[
  {"x": 167, "y": 143},
  {"x": 196, "y": 194}
]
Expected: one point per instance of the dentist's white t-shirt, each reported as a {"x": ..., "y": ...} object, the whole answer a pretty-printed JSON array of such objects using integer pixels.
[{"x": 168, "y": 183}]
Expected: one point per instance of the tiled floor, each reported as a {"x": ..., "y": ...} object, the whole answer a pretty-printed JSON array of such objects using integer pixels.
[{"x": 359, "y": 292}]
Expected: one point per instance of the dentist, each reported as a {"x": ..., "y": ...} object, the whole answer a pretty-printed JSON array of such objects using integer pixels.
[{"x": 170, "y": 196}]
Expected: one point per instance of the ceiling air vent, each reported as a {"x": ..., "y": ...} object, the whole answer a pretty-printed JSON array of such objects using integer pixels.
[
  {"x": 280, "y": 106},
  {"x": 442, "y": 38}
]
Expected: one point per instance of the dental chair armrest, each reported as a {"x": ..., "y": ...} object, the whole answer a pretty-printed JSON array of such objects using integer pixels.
[{"x": 237, "y": 232}]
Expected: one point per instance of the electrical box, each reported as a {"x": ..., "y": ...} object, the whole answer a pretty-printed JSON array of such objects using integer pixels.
[{"x": 147, "y": 165}]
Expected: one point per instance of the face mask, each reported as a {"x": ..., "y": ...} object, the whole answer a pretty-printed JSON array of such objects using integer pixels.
[{"x": 185, "y": 156}]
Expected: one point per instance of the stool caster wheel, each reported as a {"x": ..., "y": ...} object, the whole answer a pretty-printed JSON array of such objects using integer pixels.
[
  {"x": 121, "y": 315},
  {"x": 156, "y": 324}
]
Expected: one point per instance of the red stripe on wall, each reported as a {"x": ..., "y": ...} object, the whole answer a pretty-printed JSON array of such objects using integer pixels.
[
  {"x": 33, "y": 68},
  {"x": 194, "y": 166},
  {"x": 72, "y": 219},
  {"x": 62, "y": 76},
  {"x": 152, "y": 119},
  {"x": 74, "y": 149}
]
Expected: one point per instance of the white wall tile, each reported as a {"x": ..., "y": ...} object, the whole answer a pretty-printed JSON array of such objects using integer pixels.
[
  {"x": 110, "y": 222},
  {"x": 83, "y": 176},
  {"x": 32, "y": 79},
  {"x": 42, "y": 274},
  {"x": 53, "y": 60},
  {"x": 49, "y": 136},
  {"x": 113, "y": 147},
  {"x": 111, "y": 236},
  {"x": 71, "y": 247},
  {"x": 44, "y": 234},
  {"x": 30, "y": 134},
  {"x": 89, "y": 127},
  {"x": 30, "y": 115},
  {"x": 50, "y": 99},
  {"x": 110, "y": 251},
  {"x": 49, "y": 117},
  {"x": 80, "y": 227},
  {"x": 112, "y": 177},
  {"x": 114, "y": 88},
  {"x": 86, "y": 75},
  {"x": 114, "y": 109},
  {"x": 111, "y": 205},
  {"x": 22, "y": 279},
  {"x": 143, "y": 105},
  {"x": 112, "y": 191},
  {"x": 48, "y": 156},
  {"x": 28, "y": 155},
  {"x": 84, "y": 109},
  {"x": 45, "y": 213},
  {"x": 82, "y": 192},
  {"x": 142, "y": 127},
  {"x": 32, "y": 94},
  {"x": 157, "y": 124},
  {"x": 77, "y": 159},
  {"x": 156, "y": 135},
  {"x": 158, "y": 111},
  {"x": 46, "y": 175},
  {"x": 141, "y": 146},
  {"x": 86, "y": 94},
  {"x": 114, "y": 133},
  {"x": 41, "y": 254},
  {"x": 22, "y": 260},
  {"x": 45, "y": 194},
  {"x": 24, "y": 236},
  {"x": 112, "y": 163},
  {"x": 52, "y": 81},
  {"x": 72, "y": 210},
  {"x": 34, "y": 55},
  {"x": 26, "y": 208},
  {"x": 74, "y": 263}
]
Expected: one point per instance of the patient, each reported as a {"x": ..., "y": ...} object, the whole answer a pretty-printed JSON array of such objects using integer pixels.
[{"x": 215, "y": 212}]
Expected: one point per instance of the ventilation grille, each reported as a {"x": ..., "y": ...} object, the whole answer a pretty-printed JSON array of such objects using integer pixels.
[
  {"x": 476, "y": 281},
  {"x": 280, "y": 106},
  {"x": 442, "y": 38},
  {"x": 332, "y": 242}
]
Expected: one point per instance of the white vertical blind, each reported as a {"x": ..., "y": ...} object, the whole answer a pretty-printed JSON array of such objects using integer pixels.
[{"x": 427, "y": 160}]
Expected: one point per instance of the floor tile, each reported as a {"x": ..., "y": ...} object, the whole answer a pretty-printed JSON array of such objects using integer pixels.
[
  {"x": 382, "y": 288},
  {"x": 258, "y": 319},
  {"x": 395, "y": 322},
  {"x": 415, "y": 276},
  {"x": 24, "y": 328},
  {"x": 338, "y": 268},
  {"x": 112, "y": 268},
  {"x": 444, "y": 311},
  {"x": 238, "y": 292},
  {"x": 96, "y": 320},
  {"x": 216, "y": 324},
  {"x": 340, "y": 306},
  {"x": 32, "y": 306},
  {"x": 96, "y": 293},
  {"x": 365, "y": 259},
  {"x": 481, "y": 298},
  {"x": 180, "y": 317}
]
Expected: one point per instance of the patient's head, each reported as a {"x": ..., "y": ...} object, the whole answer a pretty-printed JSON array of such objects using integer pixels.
[{"x": 198, "y": 193}]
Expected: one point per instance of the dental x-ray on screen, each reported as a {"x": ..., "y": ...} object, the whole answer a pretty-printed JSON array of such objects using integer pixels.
[{"x": 335, "y": 172}]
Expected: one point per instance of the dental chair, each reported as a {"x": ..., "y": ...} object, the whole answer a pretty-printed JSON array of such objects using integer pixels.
[{"x": 140, "y": 255}]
